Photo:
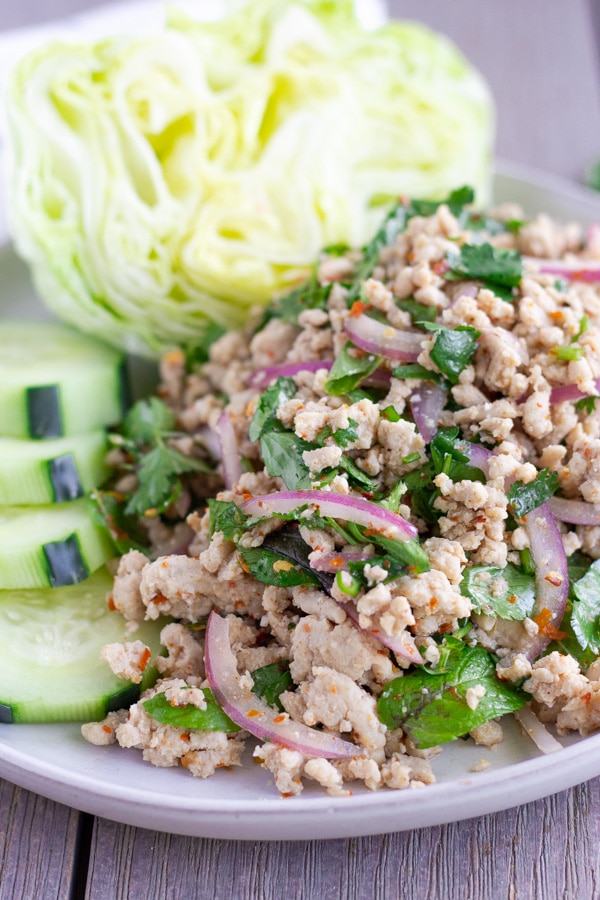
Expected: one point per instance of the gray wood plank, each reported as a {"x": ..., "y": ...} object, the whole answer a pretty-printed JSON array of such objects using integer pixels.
[
  {"x": 546, "y": 849},
  {"x": 37, "y": 846}
]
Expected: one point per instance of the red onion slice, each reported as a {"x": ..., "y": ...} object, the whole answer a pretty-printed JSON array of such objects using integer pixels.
[
  {"x": 403, "y": 646},
  {"x": 383, "y": 340},
  {"x": 575, "y": 512},
  {"x": 549, "y": 559},
  {"x": 262, "y": 378},
  {"x": 252, "y": 714},
  {"x": 337, "y": 562},
  {"x": 338, "y": 506},
  {"x": 426, "y": 404},
  {"x": 231, "y": 466},
  {"x": 569, "y": 392},
  {"x": 551, "y": 577},
  {"x": 536, "y": 730},
  {"x": 573, "y": 270}
]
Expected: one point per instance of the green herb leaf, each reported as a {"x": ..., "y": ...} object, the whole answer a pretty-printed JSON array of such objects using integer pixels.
[
  {"x": 210, "y": 719},
  {"x": 449, "y": 455},
  {"x": 310, "y": 295},
  {"x": 265, "y": 415},
  {"x": 158, "y": 481},
  {"x": 198, "y": 354},
  {"x": 282, "y": 560},
  {"x": 147, "y": 420},
  {"x": 271, "y": 681},
  {"x": 585, "y": 617},
  {"x": 508, "y": 593},
  {"x": 453, "y": 350},
  {"x": 586, "y": 405},
  {"x": 282, "y": 455},
  {"x": 351, "y": 366},
  {"x": 418, "y": 312},
  {"x": 225, "y": 516},
  {"x": 495, "y": 266},
  {"x": 432, "y": 708},
  {"x": 523, "y": 498},
  {"x": 408, "y": 553},
  {"x": 414, "y": 370}
]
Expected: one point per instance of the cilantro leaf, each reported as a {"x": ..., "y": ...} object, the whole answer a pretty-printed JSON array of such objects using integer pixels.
[
  {"x": 158, "y": 481},
  {"x": 213, "y": 718},
  {"x": 453, "y": 350},
  {"x": 351, "y": 366},
  {"x": 496, "y": 267},
  {"x": 587, "y": 405},
  {"x": 147, "y": 420},
  {"x": 432, "y": 708},
  {"x": 282, "y": 455},
  {"x": 265, "y": 415},
  {"x": 585, "y": 615},
  {"x": 227, "y": 517},
  {"x": 523, "y": 498},
  {"x": 508, "y": 593},
  {"x": 271, "y": 681}
]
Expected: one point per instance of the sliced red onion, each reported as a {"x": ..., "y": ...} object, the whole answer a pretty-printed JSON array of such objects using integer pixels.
[
  {"x": 426, "y": 404},
  {"x": 337, "y": 562},
  {"x": 569, "y": 392},
  {"x": 575, "y": 512},
  {"x": 230, "y": 456},
  {"x": 263, "y": 377},
  {"x": 551, "y": 575},
  {"x": 251, "y": 713},
  {"x": 339, "y": 506},
  {"x": 403, "y": 646},
  {"x": 383, "y": 340},
  {"x": 380, "y": 378},
  {"x": 536, "y": 730},
  {"x": 479, "y": 456},
  {"x": 211, "y": 441},
  {"x": 573, "y": 270}
]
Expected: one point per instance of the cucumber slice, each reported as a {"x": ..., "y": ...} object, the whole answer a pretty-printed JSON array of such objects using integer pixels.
[
  {"x": 50, "y": 642},
  {"x": 55, "y": 381},
  {"x": 50, "y": 546},
  {"x": 54, "y": 471}
]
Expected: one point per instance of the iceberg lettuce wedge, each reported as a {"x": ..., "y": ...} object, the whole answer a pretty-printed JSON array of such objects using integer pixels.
[{"x": 162, "y": 182}]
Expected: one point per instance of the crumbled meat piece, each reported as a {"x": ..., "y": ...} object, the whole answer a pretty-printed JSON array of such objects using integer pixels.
[{"x": 128, "y": 661}]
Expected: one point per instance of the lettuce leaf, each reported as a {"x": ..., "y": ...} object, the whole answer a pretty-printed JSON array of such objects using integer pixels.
[{"x": 168, "y": 181}]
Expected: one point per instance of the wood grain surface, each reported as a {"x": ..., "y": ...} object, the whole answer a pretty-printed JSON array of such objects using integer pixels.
[{"x": 540, "y": 59}]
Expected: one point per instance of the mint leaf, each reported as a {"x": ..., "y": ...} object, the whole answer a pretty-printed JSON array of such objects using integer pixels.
[
  {"x": 282, "y": 560},
  {"x": 585, "y": 616},
  {"x": 523, "y": 498},
  {"x": 453, "y": 350},
  {"x": 449, "y": 454},
  {"x": 210, "y": 719},
  {"x": 414, "y": 370},
  {"x": 282, "y": 455},
  {"x": 508, "y": 593},
  {"x": 271, "y": 681},
  {"x": 265, "y": 415},
  {"x": 351, "y": 366},
  {"x": 432, "y": 708}
]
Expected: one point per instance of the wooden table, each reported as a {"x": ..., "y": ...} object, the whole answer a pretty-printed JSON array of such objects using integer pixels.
[{"x": 540, "y": 59}]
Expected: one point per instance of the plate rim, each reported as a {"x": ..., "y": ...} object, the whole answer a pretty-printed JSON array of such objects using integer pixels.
[{"x": 321, "y": 816}]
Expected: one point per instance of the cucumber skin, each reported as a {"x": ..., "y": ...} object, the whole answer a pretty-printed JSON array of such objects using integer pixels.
[
  {"x": 81, "y": 689},
  {"x": 85, "y": 381},
  {"x": 26, "y": 468},
  {"x": 25, "y": 564}
]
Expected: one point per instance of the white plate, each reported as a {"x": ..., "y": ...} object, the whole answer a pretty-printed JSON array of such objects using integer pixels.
[{"x": 55, "y": 761}]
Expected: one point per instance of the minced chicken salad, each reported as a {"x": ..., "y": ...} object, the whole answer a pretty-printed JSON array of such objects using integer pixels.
[{"x": 371, "y": 520}]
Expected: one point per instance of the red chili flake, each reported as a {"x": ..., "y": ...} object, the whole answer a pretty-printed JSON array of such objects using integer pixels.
[
  {"x": 110, "y": 602},
  {"x": 107, "y": 729},
  {"x": 279, "y": 719},
  {"x": 144, "y": 659},
  {"x": 543, "y": 620},
  {"x": 554, "y": 578},
  {"x": 337, "y": 561},
  {"x": 253, "y": 713},
  {"x": 512, "y": 598},
  {"x": 440, "y": 267},
  {"x": 358, "y": 308}
]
